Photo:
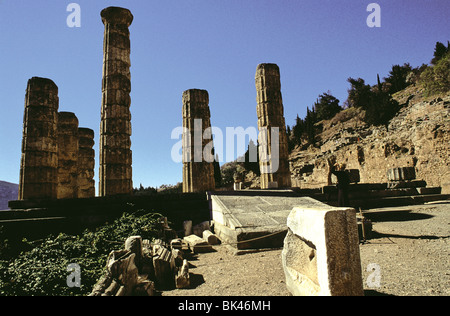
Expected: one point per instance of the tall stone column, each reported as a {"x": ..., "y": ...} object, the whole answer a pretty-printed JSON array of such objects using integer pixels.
[
  {"x": 39, "y": 161},
  {"x": 274, "y": 155},
  {"x": 86, "y": 163},
  {"x": 198, "y": 157},
  {"x": 67, "y": 155},
  {"x": 115, "y": 175}
]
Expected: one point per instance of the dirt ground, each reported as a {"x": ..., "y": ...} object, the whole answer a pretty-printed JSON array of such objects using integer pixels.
[{"x": 407, "y": 255}]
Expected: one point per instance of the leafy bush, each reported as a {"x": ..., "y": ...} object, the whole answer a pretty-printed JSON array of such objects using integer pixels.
[
  {"x": 436, "y": 79},
  {"x": 43, "y": 269}
]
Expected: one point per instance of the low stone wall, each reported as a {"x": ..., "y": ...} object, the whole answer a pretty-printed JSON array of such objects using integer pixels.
[{"x": 38, "y": 218}]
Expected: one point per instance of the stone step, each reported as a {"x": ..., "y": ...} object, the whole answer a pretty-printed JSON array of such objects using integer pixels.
[{"x": 395, "y": 201}]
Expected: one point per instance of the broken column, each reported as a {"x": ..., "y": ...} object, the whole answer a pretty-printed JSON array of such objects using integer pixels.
[
  {"x": 273, "y": 148},
  {"x": 115, "y": 176},
  {"x": 321, "y": 254},
  {"x": 39, "y": 161},
  {"x": 67, "y": 155},
  {"x": 198, "y": 157},
  {"x": 86, "y": 163}
]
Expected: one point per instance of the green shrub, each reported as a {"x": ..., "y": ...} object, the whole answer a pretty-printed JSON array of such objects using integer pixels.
[
  {"x": 42, "y": 271},
  {"x": 436, "y": 79}
]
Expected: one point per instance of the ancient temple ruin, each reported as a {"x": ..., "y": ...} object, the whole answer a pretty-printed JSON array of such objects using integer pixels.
[
  {"x": 115, "y": 176},
  {"x": 273, "y": 151},
  {"x": 198, "y": 157},
  {"x": 57, "y": 161}
]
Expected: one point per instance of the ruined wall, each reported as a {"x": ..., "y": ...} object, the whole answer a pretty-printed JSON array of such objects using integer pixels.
[{"x": 39, "y": 161}]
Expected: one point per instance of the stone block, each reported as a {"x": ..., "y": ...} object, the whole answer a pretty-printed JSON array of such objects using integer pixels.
[
  {"x": 321, "y": 252},
  {"x": 197, "y": 244},
  {"x": 182, "y": 280},
  {"x": 200, "y": 228},
  {"x": 401, "y": 174},
  {"x": 164, "y": 265},
  {"x": 210, "y": 238}
]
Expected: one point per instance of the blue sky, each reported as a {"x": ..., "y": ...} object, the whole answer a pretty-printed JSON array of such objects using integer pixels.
[{"x": 206, "y": 44}]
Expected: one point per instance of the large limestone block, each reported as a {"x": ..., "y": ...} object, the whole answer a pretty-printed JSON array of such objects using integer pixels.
[
  {"x": 197, "y": 244},
  {"x": 321, "y": 252}
]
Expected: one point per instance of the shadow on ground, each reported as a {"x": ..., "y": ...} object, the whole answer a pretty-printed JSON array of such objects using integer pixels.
[
  {"x": 375, "y": 235},
  {"x": 396, "y": 216},
  {"x": 375, "y": 293}
]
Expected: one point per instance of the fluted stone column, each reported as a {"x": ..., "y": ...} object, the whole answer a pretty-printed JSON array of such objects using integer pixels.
[
  {"x": 86, "y": 163},
  {"x": 67, "y": 155},
  {"x": 198, "y": 168},
  {"x": 274, "y": 167},
  {"x": 39, "y": 161},
  {"x": 115, "y": 175}
]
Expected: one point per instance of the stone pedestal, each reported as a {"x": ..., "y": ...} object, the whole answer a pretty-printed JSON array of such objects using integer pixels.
[
  {"x": 39, "y": 161},
  {"x": 198, "y": 167},
  {"x": 273, "y": 149},
  {"x": 86, "y": 163},
  {"x": 115, "y": 176}
]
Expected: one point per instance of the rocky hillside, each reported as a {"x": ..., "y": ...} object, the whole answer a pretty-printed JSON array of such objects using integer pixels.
[
  {"x": 418, "y": 136},
  {"x": 8, "y": 192}
]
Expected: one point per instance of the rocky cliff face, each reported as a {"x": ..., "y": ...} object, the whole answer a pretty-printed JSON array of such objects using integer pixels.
[
  {"x": 8, "y": 192},
  {"x": 419, "y": 137}
]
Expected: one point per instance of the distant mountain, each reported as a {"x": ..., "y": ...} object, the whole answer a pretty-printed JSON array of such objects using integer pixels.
[{"x": 8, "y": 192}]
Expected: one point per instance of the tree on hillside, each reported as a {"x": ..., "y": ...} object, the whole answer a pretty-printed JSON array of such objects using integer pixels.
[
  {"x": 310, "y": 121},
  {"x": 440, "y": 51},
  {"x": 397, "y": 77},
  {"x": 251, "y": 162},
  {"x": 436, "y": 79},
  {"x": 359, "y": 93},
  {"x": 327, "y": 106},
  {"x": 298, "y": 130},
  {"x": 381, "y": 108},
  {"x": 378, "y": 104},
  {"x": 217, "y": 173}
]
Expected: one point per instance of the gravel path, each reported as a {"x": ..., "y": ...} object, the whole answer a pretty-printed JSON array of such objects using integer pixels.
[{"x": 407, "y": 255}]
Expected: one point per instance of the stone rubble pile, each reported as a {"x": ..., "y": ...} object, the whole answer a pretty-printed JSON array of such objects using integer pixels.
[{"x": 144, "y": 267}]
